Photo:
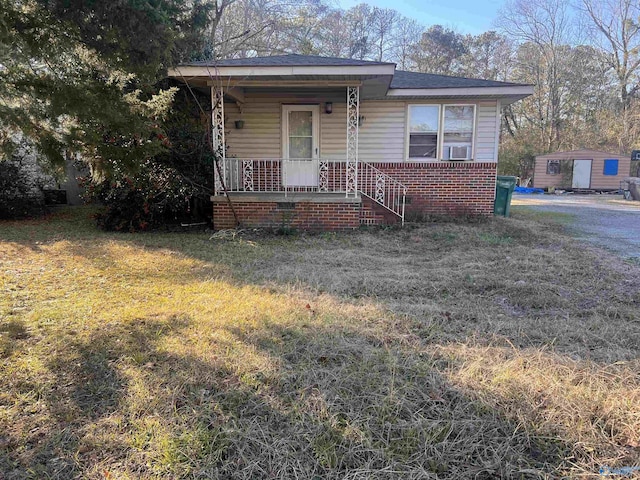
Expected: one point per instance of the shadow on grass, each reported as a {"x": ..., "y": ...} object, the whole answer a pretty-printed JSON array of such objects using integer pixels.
[
  {"x": 11, "y": 332},
  {"x": 93, "y": 408},
  {"x": 329, "y": 402},
  {"x": 310, "y": 397}
]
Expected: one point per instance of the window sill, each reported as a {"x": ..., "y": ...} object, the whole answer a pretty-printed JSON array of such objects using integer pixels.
[{"x": 439, "y": 160}]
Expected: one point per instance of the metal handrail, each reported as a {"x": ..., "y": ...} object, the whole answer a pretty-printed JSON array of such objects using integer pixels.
[{"x": 382, "y": 188}]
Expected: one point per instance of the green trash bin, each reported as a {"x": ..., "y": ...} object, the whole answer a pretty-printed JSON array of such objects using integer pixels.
[{"x": 504, "y": 190}]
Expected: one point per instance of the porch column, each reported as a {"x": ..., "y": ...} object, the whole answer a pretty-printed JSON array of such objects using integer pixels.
[
  {"x": 217, "y": 130},
  {"x": 353, "y": 114}
]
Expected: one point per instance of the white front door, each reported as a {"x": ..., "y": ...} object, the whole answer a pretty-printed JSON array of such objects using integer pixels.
[
  {"x": 581, "y": 174},
  {"x": 300, "y": 129}
]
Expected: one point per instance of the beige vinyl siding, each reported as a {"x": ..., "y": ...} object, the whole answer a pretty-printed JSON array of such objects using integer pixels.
[
  {"x": 333, "y": 132},
  {"x": 598, "y": 179},
  {"x": 542, "y": 180},
  {"x": 261, "y": 136},
  {"x": 487, "y": 129},
  {"x": 382, "y": 134}
]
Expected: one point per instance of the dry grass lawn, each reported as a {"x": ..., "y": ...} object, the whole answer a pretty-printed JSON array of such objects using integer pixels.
[{"x": 498, "y": 349}]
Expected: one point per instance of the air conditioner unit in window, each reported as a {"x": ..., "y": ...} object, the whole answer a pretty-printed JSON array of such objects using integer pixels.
[{"x": 458, "y": 153}]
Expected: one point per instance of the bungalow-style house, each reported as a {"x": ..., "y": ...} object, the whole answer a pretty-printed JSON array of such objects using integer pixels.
[{"x": 332, "y": 143}]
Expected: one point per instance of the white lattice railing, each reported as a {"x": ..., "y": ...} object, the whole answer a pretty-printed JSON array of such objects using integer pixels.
[
  {"x": 382, "y": 188},
  {"x": 271, "y": 175},
  {"x": 264, "y": 175}
]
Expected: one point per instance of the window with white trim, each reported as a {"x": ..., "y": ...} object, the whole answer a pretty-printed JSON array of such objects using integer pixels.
[
  {"x": 457, "y": 138},
  {"x": 424, "y": 127}
]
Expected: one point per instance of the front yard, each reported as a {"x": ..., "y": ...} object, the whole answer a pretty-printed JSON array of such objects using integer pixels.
[{"x": 497, "y": 349}]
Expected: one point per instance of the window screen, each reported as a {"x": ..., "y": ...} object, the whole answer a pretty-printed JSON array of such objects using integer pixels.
[
  {"x": 458, "y": 132},
  {"x": 423, "y": 131}
]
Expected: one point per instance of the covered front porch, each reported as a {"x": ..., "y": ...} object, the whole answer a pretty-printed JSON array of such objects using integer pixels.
[{"x": 291, "y": 140}]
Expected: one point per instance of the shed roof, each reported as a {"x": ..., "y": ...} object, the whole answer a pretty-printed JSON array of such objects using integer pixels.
[{"x": 581, "y": 152}]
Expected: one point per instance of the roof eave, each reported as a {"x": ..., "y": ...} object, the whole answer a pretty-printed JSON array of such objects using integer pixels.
[
  {"x": 189, "y": 71},
  {"x": 511, "y": 93}
]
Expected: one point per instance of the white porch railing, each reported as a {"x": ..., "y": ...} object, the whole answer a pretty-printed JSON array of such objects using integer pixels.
[
  {"x": 275, "y": 175},
  {"x": 264, "y": 175},
  {"x": 382, "y": 188}
]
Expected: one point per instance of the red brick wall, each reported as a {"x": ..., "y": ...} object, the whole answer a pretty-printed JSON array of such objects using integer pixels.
[
  {"x": 446, "y": 188},
  {"x": 304, "y": 216},
  {"x": 442, "y": 188}
]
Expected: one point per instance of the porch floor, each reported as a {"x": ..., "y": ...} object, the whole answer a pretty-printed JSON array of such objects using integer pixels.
[{"x": 315, "y": 197}]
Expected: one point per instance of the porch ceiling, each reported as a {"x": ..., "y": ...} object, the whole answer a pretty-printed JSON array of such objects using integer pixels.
[
  {"x": 374, "y": 79},
  {"x": 371, "y": 86}
]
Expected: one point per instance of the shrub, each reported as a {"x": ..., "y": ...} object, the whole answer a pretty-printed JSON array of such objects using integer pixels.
[
  {"x": 174, "y": 186},
  {"x": 155, "y": 196}
]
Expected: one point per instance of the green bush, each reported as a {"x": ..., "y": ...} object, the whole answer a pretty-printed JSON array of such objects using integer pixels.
[
  {"x": 173, "y": 187},
  {"x": 155, "y": 196}
]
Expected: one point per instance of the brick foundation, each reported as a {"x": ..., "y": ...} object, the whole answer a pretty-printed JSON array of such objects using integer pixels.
[
  {"x": 302, "y": 215},
  {"x": 439, "y": 188},
  {"x": 446, "y": 188}
]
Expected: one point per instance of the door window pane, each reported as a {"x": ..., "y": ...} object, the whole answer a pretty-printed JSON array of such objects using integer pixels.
[
  {"x": 300, "y": 124},
  {"x": 301, "y": 134},
  {"x": 300, "y": 147}
]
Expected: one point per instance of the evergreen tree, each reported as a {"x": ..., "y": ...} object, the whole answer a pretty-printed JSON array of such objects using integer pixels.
[{"x": 80, "y": 75}]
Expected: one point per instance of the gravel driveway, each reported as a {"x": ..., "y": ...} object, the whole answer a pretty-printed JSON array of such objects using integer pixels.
[{"x": 605, "y": 220}]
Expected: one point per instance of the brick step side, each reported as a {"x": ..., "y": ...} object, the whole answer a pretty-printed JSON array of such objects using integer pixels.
[
  {"x": 371, "y": 218},
  {"x": 373, "y": 214}
]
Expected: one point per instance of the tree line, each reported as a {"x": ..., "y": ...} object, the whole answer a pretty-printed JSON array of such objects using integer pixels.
[
  {"x": 583, "y": 58},
  {"x": 87, "y": 77}
]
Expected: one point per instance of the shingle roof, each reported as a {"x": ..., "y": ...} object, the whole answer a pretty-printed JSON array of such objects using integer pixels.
[
  {"x": 403, "y": 80},
  {"x": 287, "y": 60}
]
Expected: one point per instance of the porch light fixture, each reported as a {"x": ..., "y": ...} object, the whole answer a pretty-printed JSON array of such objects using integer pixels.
[
  {"x": 239, "y": 124},
  {"x": 328, "y": 108},
  {"x": 361, "y": 119}
]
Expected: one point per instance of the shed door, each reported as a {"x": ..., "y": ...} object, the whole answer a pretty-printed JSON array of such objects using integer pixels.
[
  {"x": 300, "y": 129},
  {"x": 581, "y": 174}
]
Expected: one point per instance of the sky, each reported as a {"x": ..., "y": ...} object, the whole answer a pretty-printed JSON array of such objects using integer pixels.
[{"x": 465, "y": 16}]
